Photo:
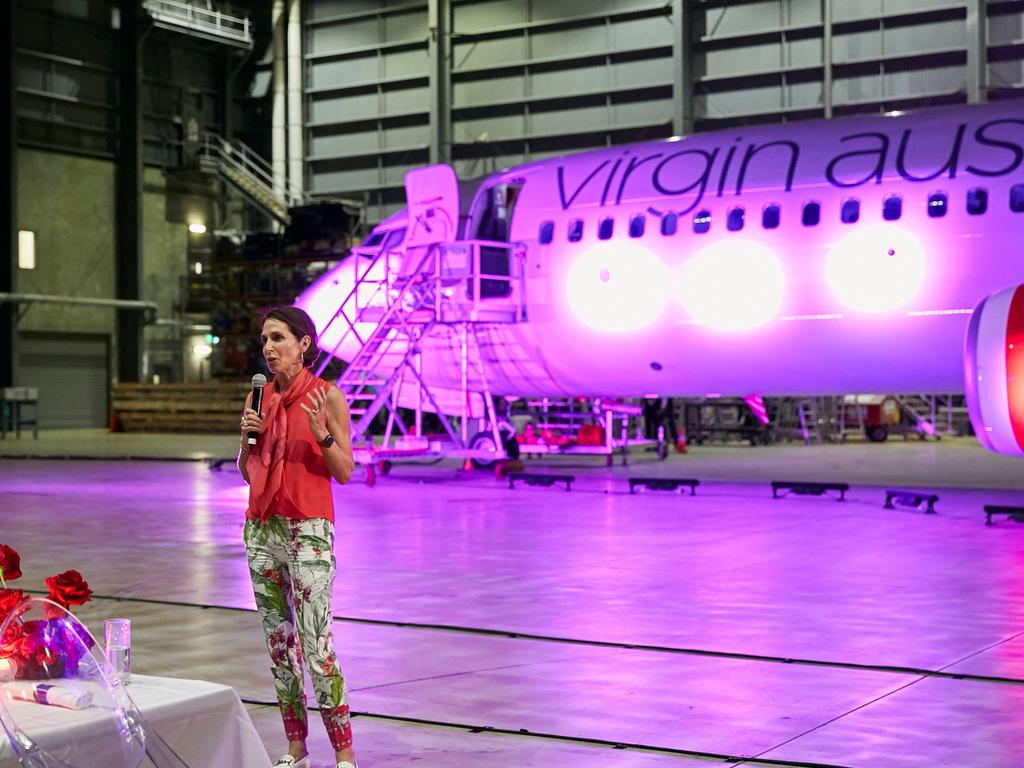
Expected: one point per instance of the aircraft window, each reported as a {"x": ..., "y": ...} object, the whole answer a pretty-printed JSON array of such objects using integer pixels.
[
  {"x": 636, "y": 225},
  {"x": 851, "y": 210},
  {"x": 892, "y": 207},
  {"x": 373, "y": 239},
  {"x": 669, "y": 223},
  {"x": 977, "y": 200},
  {"x": 1017, "y": 198},
  {"x": 770, "y": 216},
  {"x": 937, "y": 204},
  {"x": 811, "y": 214},
  {"x": 605, "y": 228},
  {"x": 734, "y": 222},
  {"x": 702, "y": 222},
  {"x": 575, "y": 230},
  {"x": 547, "y": 232}
]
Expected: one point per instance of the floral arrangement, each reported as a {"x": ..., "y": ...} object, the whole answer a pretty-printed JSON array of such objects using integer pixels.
[{"x": 41, "y": 648}]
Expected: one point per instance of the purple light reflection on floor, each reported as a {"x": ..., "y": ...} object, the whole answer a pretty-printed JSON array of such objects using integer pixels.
[{"x": 728, "y": 571}]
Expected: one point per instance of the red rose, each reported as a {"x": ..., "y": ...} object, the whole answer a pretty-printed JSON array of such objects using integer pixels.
[
  {"x": 68, "y": 588},
  {"x": 10, "y": 563},
  {"x": 10, "y": 642},
  {"x": 25, "y": 641},
  {"x": 9, "y": 600},
  {"x": 38, "y": 645}
]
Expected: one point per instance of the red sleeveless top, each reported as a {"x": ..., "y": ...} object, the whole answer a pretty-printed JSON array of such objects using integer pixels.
[{"x": 287, "y": 472}]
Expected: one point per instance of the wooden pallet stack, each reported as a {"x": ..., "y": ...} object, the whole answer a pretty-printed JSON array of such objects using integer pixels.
[{"x": 210, "y": 408}]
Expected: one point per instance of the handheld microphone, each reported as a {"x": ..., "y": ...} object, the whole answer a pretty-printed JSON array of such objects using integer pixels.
[{"x": 259, "y": 381}]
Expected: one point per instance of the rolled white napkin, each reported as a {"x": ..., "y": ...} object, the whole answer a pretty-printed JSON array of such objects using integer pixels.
[{"x": 47, "y": 693}]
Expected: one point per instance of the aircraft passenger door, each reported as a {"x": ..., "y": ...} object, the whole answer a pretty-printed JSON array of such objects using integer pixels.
[
  {"x": 495, "y": 224},
  {"x": 432, "y": 201}
]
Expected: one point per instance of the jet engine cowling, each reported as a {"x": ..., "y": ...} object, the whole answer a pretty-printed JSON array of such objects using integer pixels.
[{"x": 994, "y": 371}]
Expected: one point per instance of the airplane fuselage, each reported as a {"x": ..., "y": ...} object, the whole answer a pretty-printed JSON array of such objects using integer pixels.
[{"x": 818, "y": 257}]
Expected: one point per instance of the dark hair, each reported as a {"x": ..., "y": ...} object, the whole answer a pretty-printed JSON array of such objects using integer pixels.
[{"x": 299, "y": 323}]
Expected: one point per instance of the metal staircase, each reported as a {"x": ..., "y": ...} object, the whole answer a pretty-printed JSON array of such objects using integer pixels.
[
  {"x": 934, "y": 415},
  {"x": 248, "y": 172},
  {"x": 438, "y": 295},
  {"x": 429, "y": 293},
  {"x": 387, "y": 355}
]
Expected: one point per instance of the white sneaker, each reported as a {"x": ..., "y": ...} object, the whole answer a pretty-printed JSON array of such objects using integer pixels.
[
  {"x": 290, "y": 762},
  {"x": 346, "y": 764}
]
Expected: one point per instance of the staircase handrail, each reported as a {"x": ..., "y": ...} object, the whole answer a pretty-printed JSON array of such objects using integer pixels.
[
  {"x": 924, "y": 423},
  {"x": 515, "y": 276},
  {"x": 352, "y": 294},
  {"x": 360, "y": 425},
  {"x": 434, "y": 277},
  {"x": 241, "y": 157}
]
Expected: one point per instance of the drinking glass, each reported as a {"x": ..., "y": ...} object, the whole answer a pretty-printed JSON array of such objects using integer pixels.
[{"x": 118, "y": 636}]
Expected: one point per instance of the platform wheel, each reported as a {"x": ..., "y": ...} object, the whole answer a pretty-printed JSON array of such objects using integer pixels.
[
  {"x": 877, "y": 433},
  {"x": 371, "y": 476},
  {"x": 483, "y": 440},
  {"x": 609, "y": 460},
  {"x": 501, "y": 469},
  {"x": 384, "y": 467}
]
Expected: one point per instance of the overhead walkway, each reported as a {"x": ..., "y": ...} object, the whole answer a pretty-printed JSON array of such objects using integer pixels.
[{"x": 201, "y": 20}]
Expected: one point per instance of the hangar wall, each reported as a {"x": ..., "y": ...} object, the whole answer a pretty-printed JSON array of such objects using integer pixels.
[
  {"x": 66, "y": 77},
  {"x": 489, "y": 83},
  {"x": 393, "y": 84}
]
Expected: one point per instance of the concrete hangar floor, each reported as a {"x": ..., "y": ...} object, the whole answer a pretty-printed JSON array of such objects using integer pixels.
[{"x": 480, "y": 625}]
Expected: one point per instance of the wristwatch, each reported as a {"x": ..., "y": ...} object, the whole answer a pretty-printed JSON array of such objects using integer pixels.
[{"x": 328, "y": 441}]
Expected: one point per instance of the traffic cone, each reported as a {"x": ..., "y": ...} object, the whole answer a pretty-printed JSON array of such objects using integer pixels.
[
  {"x": 467, "y": 464},
  {"x": 681, "y": 443}
]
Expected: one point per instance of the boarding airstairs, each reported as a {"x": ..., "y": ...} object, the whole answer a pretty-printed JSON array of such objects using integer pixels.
[{"x": 432, "y": 286}]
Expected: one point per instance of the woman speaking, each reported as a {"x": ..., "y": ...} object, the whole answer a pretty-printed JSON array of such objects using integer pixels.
[{"x": 303, "y": 442}]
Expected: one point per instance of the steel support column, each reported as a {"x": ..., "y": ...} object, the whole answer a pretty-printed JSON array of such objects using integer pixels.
[
  {"x": 439, "y": 26},
  {"x": 296, "y": 119},
  {"x": 977, "y": 52},
  {"x": 682, "y": 69},
  {"x": 826, "y": 56},
  {"x": 8, "y": 210},
  {"x": 128, "y": 192},
  {"x": 278, "y": 116}
]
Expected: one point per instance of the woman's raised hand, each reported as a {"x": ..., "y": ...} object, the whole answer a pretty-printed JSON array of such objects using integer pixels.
[{"x": 316, "y": 412}]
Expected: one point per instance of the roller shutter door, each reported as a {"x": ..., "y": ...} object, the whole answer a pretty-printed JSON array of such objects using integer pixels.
[{"x": 71, "y": 372}]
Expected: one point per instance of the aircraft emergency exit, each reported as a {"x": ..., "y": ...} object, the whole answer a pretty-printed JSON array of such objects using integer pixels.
[{"x": 863, "y": 254}]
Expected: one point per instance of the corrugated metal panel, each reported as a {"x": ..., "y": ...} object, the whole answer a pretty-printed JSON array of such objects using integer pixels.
[
  {"x": 368, "y": 98},
  {"x": 751, "y": 59},
  {"x": 1005, "y": 71},
  {"x": 533, "y": 79},
  {"x": 925, "y": 37},
  {"x": 745, "y": 17}
]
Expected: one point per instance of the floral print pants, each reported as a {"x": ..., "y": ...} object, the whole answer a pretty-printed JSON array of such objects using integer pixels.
[{"x": 292, "y": 564}]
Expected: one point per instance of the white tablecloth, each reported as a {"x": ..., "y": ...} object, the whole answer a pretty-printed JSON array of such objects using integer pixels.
[{"x": 205, "y": 723}]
